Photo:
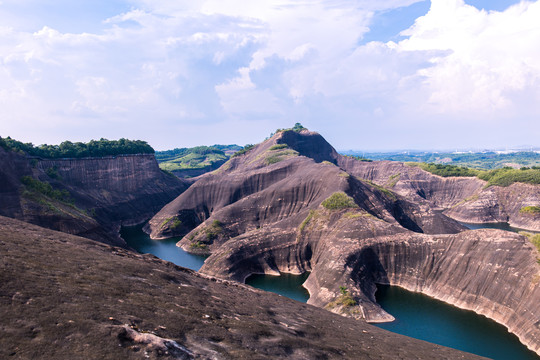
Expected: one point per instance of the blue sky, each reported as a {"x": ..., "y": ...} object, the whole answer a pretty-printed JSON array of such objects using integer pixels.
[{"x": 367, "y": 75}]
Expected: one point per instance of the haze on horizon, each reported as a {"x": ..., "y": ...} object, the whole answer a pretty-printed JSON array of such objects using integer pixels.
[{"x": 390, "y": 74}]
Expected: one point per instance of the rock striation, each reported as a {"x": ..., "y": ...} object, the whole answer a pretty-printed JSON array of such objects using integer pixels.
[
  {"x": 66, "y": 297},
  {"x": 265, "y": 212},
  {"x": 103, "y": 192},
  {"x": 466, "y": 199}
]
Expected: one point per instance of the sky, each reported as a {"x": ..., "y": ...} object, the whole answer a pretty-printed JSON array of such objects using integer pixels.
[{"x": 367, "y": 75}]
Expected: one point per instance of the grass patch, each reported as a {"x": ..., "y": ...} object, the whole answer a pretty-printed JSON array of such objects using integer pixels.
[
  {"x": 344, "y": 299},
  {"x": 174, "y": 222},
  {"x": 198, "y": 246},
  {"x": 382, "y": 189},
  {"x": 447, "y": 170},
  {"x": 339, "y": 200},
  {"x": 245, "y": 150},
  {"x": 278, "y": 147},
  {"x": 214, "y": 230},
  {"x": 280, "y": 155},
  {"x": 43, "y": 188},
  {"x": 505, "y": 176},
  {"x": 306, "y": 220},
  {"x": 392, "y": 180},
  {"x": 533, "y": 238},
  {"x": 533, "y": 210}
]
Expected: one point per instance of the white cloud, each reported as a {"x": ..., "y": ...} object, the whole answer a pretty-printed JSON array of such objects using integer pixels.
[
  {"x": 160, "y": 65},
  {"x": 492, "y": 57}
]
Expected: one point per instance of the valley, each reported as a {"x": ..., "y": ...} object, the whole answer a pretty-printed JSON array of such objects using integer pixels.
[{"x": 292, "y": 204}]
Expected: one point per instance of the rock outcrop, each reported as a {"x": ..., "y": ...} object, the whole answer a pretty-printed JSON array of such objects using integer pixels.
[
  {"x": 102, "y": 193},
  {"x": 66, "y": 297},
  {"x": 265, "y": 212},
  {"x": 466, "y": 199}
]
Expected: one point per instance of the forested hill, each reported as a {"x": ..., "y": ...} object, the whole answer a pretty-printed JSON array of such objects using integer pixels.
[
  {"x": 187, "y": 162},
  {"x": 68, "y": 149}
]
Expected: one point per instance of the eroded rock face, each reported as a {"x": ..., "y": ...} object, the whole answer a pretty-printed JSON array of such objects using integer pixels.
[
  {"x": 67, "y": 297},
  {"x": 263, "y": 213},
  {"x": 465, "y": 199},
  {"x": 274, "y": 182},
  {"x": 105, "y": 192}
]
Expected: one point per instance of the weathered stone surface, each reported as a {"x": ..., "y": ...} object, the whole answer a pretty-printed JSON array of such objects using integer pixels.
[
  {"x": 270, "y": 220},
  {"x": 249, "y": 193},
  {"x": 65, "y": 297},
  {"x": 463, "y": 198},
  {"x": 106, "y": 192}
]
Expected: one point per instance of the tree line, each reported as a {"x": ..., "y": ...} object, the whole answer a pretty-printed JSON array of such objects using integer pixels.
[{"x": 68, "y": 149}]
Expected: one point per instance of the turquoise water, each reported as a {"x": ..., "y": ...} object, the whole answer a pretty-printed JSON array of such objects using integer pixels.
[
  {"x": 424, "y": 318},
  {"x": 286, "y": 284},
  {"x": 417, "y": 315},
  {"x": 500, "y": 226},
  {"x": 163, "y": 249}
]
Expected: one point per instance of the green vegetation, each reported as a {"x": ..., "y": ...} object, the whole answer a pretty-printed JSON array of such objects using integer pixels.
[
  {"x": 339, "y": 200},
  {"x": 533, "y": 210},
  {"x": 67, "y": 149},
  {"x": 382, "y": 189},
  {"x": 244, "y": 150},
  {"x": 173, "y": 222},
  {"x": 297, "y": 128},
  {"x": 278, "y": 147},
  {"x": 198, "y": 157},
  {"x": 478, "y": 160},
  {"x": 359, "y": 158},
  {"x": 500, "y": 177},
  {"x": 533, "y": 238},
  {"x": 198, "y": 245},
  {"x": 213, "y": 231},
  {"x": 507, "y": 176},
  {"x": 445, "y": 170},
  {"x": 306, "y": 221},
  {"x": 344, "y": 299},
  {"x": 52, "y": 172},
  {"x": 279, "y": 155},
  {"x": 392, "y": 180},
  {"x": 43, "y": 188}
]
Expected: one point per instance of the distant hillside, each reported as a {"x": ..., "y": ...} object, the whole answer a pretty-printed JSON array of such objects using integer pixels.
[
  {"x": 189, "y": 162},
  {"x": 485, "y": 160}
]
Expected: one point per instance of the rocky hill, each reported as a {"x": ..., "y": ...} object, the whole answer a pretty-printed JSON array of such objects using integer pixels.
[
  {"x": 90, "y": 197},
  {"x": 66, "y": 297},
  {"x": 292, "y": 204},
  {"x": 467, "y": 199}
]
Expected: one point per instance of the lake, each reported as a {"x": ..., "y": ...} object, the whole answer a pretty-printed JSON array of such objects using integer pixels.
[
  {"x": 417, "y": 315},
  {"x": 425, "y": 318}
]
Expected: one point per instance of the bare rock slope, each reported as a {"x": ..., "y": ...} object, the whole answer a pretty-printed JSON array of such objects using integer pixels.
[
  {"x": 266, "y": 211},
  {"x": 98, "y": 195},
  {"x": 65, "y": 297},
  {"x": 465, "y": 199}
]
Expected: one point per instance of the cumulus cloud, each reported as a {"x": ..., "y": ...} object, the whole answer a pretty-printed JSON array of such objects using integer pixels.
[
  {"x": 167, "y": 71},
  {"x": 491, "y": 61}
]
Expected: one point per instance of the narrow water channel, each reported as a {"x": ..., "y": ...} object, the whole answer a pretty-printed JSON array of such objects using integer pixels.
[
  {"x": 163, "y": 249},
  {"x": 417, "y": 315},
  {"x": 425, "y": 318}
]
